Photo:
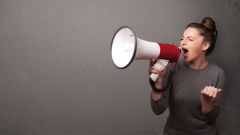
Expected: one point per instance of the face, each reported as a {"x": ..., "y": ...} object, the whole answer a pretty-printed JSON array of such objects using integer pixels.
[{"x": 193, "y": 45}]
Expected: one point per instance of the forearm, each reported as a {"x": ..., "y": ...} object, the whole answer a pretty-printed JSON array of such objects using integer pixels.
[
  {"x": 155, "y": 95},
  {"x": 212, "y": 115},
  {"x": 159, "y": 101},
  {"x": 211, "y": 111},
  {"x": 207, "y": 107}
]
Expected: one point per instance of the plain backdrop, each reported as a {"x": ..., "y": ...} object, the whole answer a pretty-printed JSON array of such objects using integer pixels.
[{"x": 57, "y": 76}]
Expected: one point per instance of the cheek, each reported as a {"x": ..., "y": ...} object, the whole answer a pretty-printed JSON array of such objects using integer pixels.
[{"x": 196, "y": 49}]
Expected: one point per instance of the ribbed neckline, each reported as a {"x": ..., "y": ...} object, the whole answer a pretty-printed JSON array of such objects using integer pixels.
[{"x": 197, "y": 70}]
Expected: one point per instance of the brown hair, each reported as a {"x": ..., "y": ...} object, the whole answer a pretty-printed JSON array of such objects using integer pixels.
[{"x": 207, "y": 29}]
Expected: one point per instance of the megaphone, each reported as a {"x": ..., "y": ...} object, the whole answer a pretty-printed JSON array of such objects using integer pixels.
[{"x": 126, "y": 47}]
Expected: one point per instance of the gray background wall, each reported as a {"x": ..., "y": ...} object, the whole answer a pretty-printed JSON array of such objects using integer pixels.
[{"x": 56, "y": 73}]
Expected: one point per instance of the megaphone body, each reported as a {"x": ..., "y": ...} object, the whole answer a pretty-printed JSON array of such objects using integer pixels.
[{"x": 126, "y": 47}]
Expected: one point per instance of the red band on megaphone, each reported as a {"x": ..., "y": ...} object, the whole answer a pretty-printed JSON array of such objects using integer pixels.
[{"x": 169, "y": 52}]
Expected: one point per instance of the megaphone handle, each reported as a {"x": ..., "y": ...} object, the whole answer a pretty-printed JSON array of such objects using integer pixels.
[
  {"x": 165, "y": 87},
  {"x": 154, "y": 77}
]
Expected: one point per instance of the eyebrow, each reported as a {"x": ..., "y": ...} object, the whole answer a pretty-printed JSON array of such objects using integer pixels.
[{"x": 187, "y": 37}]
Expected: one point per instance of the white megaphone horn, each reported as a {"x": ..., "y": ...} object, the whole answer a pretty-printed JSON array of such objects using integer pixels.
[{"x": 126, "y": 47}]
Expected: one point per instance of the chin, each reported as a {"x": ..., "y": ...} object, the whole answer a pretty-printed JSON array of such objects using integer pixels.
[{"x": 187, "y": 60}]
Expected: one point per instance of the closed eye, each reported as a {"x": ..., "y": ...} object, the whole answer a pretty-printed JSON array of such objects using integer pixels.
[{"x": 190, "y": 38}]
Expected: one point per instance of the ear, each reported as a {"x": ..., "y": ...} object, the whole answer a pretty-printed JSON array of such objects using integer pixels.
[{"x": 205, "y": 46}]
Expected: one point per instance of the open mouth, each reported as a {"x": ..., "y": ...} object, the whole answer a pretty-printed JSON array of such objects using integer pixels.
[{"x": 185, "y": 50}]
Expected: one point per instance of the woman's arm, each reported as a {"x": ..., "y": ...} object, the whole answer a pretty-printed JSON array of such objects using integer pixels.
[
  {"x": 211, "y": 97},
  {"x": 159, "y": 99}
]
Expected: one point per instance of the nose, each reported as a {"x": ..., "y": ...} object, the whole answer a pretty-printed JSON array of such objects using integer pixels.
[{"x": 183, "y": 42}]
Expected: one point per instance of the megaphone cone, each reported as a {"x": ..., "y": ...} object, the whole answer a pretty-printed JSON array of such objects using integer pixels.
[{"x": 126, "y": 47}]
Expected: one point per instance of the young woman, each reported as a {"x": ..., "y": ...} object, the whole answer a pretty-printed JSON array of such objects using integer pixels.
[{"x": 193, "y": 97}]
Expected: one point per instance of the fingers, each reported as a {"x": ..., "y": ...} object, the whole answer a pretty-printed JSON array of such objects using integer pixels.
[
  {"x": 210, "y": 91},
  {"x": 160, "y": 70},
  {"x": 154, "y": 70}
]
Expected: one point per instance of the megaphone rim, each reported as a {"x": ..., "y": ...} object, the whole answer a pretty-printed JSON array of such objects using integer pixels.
[{"x": 135, "y": 45}]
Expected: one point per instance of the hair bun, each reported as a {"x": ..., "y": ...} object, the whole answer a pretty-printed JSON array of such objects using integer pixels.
[{"x": 209, "y": 23}]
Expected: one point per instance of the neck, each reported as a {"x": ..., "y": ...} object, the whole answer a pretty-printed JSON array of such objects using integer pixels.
[{"x": 199, "y": 63}]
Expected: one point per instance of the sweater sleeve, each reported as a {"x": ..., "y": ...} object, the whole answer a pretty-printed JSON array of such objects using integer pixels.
[
  {"x": 213, "y": 114},
  {"x": 158, "y": 107}
]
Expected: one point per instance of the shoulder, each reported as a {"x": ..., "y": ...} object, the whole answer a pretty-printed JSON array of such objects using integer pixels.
[
  {"x": 215, "y": 68},
  {"x": 218, "y": 72}
]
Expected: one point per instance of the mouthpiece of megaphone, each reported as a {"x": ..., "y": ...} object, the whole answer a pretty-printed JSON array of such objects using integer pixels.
[{"x": 126, "y": 47}]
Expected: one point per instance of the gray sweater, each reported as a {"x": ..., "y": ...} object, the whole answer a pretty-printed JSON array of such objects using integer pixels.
[{"x": 183, "y": 100}]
